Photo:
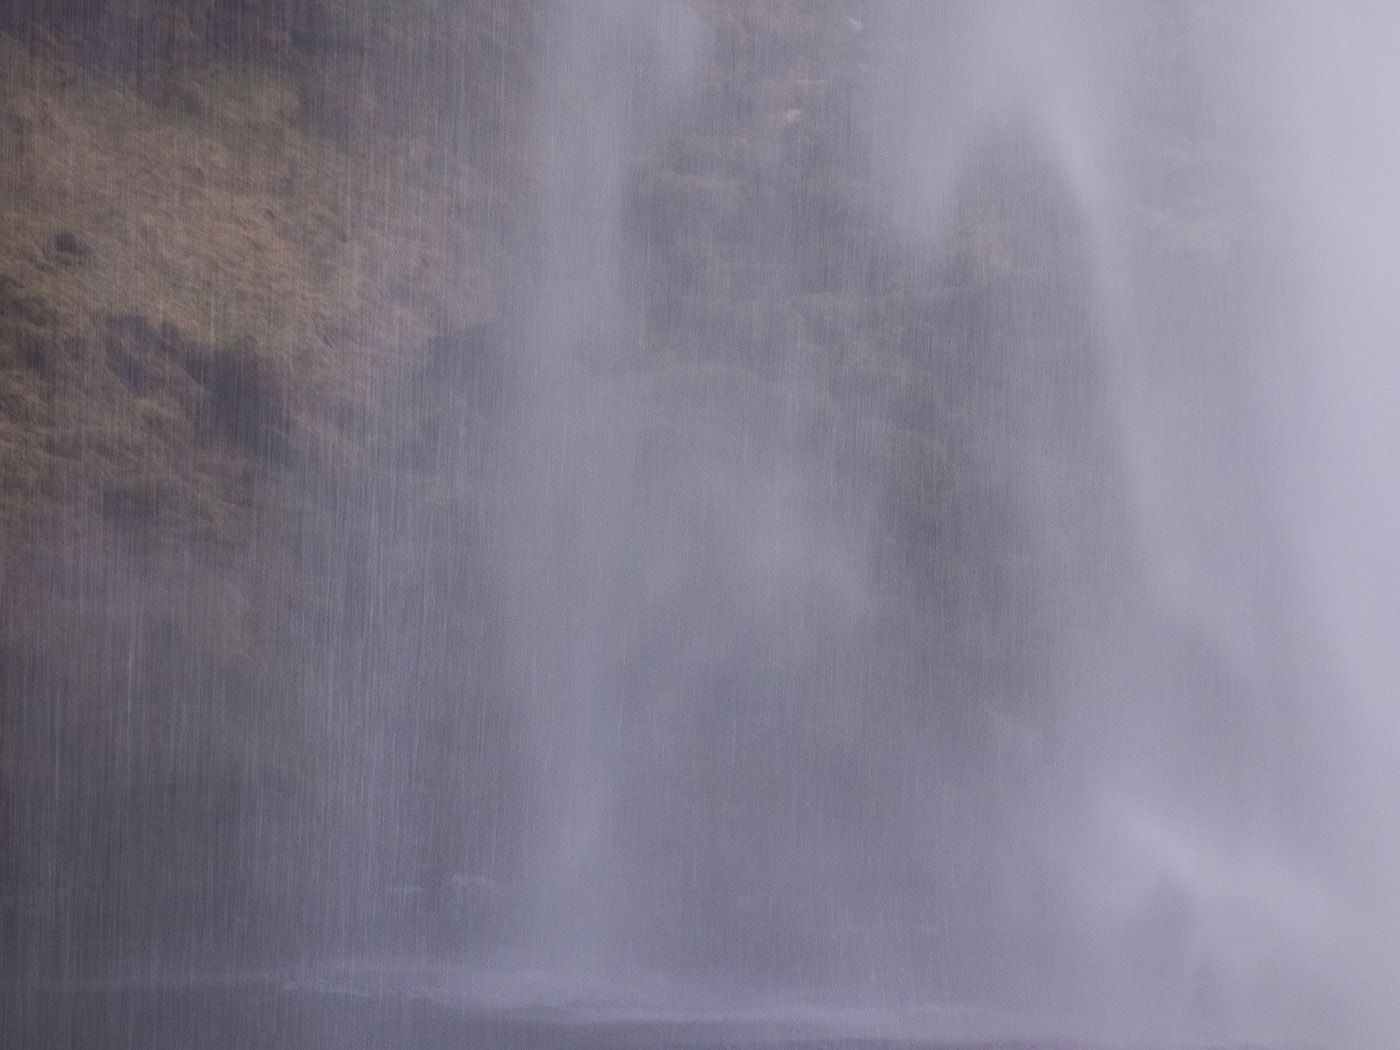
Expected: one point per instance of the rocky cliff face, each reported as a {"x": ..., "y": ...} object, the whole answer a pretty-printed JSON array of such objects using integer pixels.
[
  {"x": 233, "y": 242},
  {"x": 264, "y": 275}
]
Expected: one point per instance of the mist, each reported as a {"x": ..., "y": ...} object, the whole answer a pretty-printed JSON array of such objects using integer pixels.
[{"x": 888, "y": 534}]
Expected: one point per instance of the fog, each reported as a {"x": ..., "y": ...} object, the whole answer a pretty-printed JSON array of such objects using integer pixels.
[{"x": 911, "y": 554}]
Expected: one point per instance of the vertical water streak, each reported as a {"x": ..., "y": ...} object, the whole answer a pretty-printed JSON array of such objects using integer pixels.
[{"x": 572, "y": 521}]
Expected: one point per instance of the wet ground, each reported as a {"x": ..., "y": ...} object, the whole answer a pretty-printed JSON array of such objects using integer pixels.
[{"x": 273, "y": 1015}]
